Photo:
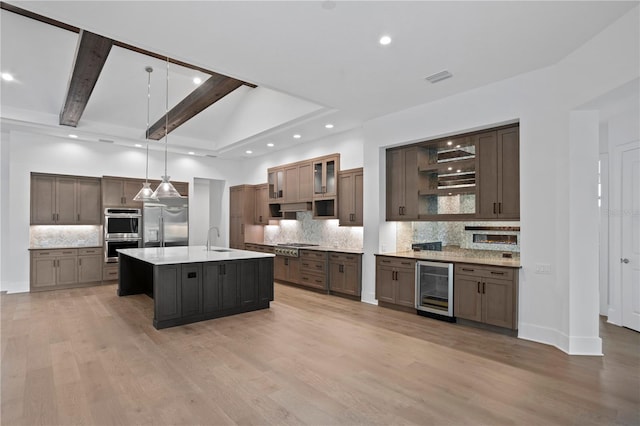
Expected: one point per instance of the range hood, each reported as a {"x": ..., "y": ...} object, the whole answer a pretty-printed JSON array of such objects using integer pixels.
[{"x": 295, "y": 207}]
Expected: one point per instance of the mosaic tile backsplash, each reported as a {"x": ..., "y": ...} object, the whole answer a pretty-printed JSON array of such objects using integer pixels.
[
  {"x": 452, "y": 234},
  {"x": 53, "y": 236},
  {"x": 305, "y": 229}
]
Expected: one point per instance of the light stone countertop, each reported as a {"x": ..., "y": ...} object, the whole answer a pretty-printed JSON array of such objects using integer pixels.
[
  {"x": 457, "y": 256},
  {"x": 189, "y": 254},
  {"x": 318, "y": 248},
  {"x": 64, "y": 247}
]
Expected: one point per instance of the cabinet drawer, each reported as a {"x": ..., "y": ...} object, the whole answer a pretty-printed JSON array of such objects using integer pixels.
[
  {"x": 312, "y": 254},
  {"x": 55, "y": 253},
  {"x": 343, "y": 257},
  {"x": 396, "y": 262},
  {"x": 110, "y": 273},
  {"x": 312, "y": 280},
  {"x": 484, "y": 271},
  {"x": 312, "y": 266},
  {"x": 85, "y": 251}
]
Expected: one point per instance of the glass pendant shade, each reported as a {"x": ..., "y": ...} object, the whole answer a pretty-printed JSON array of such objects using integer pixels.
[
  {"x": 145, "y": 193},
  {"x": 166, "y": 189}
]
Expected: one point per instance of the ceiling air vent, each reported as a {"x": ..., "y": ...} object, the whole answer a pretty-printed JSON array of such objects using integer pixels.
[
  {"x": 212, "y": 156},
  {"x": 105, "y": 140},
  {"x": 439, "y": 76}
]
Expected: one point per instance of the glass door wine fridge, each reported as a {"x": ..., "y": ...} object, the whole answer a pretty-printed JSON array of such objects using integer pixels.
[{"x": 434, "y": 288}]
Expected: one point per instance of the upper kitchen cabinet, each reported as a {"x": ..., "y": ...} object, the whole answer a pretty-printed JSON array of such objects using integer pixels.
[
  {"x": 325, "y": 186},
  {"x": 242, "y": 216},
  {"x": 447, "y": 179},
  {"x": 350, "y": 189},
  {"x": 65, "y": 200},
  {"x": 275, "y": 179},
  {"x": 325, "y": 176},
  {"x": 402, "y": 182},
  {"x": 298, "y": 186},
  {"x": 119, "y": 192},
  {"x": 498, "y": 192},
  {"x": 261, "y": 204}
]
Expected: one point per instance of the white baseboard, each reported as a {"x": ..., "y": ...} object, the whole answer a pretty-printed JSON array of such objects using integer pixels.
[{"x": 571, "y": 345}]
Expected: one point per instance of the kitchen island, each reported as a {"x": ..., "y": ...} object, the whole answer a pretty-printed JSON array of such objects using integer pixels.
[{"x": 190, "y": 284}]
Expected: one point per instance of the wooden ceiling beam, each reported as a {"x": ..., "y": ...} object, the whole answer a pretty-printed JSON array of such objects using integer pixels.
[
  {"x": 91, "y": 54},
  {"x": 212, "y": 90}
]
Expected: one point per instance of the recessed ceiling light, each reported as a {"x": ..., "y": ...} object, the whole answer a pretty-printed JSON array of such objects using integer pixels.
[
  {"x": 450, "y": 168},
  {"x": 270, "y": 145},
  {"x": 191, "y": 153},
  {"x": 138, "y": 145},
  {"x": 297, "y": 136},
  {"x": 457, "y": 146},
  {"x": 458, "y": 171},
  {"x": 7, "y": 77},
  {"x": 385, "y": 40},
  {"x": 73, "y": 136},
  {"x": 249, "y": 151},
  {"x": 328, "y": 126},
  {"x": 449, "y": 143},
  {"x": 197, "y": 80}
]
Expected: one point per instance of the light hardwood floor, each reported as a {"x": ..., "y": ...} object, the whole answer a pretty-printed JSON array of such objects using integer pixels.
[{"x": 86, "y": 356}]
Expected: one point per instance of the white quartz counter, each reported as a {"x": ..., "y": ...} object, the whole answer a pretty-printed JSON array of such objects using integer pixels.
[{"x": 189, "y": 254}]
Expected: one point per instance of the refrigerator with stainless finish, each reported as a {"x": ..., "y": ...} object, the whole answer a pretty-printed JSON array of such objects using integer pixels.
[{"x": 166, "y": 223}]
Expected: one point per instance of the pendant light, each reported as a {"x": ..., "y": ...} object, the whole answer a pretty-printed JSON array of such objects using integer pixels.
[
  {"x": 146, "y": 193},
  {"x": 166, "y": 189}
]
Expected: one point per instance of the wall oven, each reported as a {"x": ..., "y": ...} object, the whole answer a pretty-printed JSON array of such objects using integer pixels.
[
  {"x": 122, "y": 223},
  {"x": 111, "y": 247},
  {"x": 434, "y": 289}
]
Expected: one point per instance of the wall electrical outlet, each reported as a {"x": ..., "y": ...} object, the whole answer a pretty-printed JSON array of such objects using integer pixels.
[{"x": 543, "y": 268}]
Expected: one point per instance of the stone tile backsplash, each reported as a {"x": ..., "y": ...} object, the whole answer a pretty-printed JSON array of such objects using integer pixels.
[
  {"x": 452, "y": 234},
  {"x": 53, "y": 236},
  {"x": 305, "y": 229}
]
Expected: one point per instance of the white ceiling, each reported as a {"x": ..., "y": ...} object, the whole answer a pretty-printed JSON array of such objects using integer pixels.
[{"x": 314, "y": 62}]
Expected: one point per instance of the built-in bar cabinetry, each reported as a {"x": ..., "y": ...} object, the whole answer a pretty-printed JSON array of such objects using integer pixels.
[
  {"x": 350, "y": 200},
  {"x": 486, "y": 294},
  {"x": 396, "y": 282},
  {"x": 65, "y": 200},
  {"x": 466, "y": 177},
  {"x": 325, "y": 186},
  {"x": 65, "y": 268},
  {"x": 242, "y": 217}
]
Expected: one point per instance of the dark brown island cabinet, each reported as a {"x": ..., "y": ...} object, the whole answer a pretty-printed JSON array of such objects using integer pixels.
[{"x": 191, "y": 284}]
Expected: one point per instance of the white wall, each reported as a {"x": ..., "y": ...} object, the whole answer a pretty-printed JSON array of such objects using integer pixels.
[
  {"x": 559, "y": 308},
  {"x": 23, "y": 153}
]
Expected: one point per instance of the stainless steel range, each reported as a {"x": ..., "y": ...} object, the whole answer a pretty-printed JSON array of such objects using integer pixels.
[{"x": 290, "y": 249}]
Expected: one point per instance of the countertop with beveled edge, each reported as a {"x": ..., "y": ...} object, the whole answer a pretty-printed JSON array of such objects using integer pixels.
[
  {"x": 189, "y": 254},
  {"x": 456, "y": 257}
]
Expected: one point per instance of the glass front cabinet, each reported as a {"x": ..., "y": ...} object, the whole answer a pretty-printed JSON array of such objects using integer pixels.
[{"x": 447, "y": 179}]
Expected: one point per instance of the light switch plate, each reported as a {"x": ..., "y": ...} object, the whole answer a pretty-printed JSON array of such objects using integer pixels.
[{"x": 543, "y": 268}]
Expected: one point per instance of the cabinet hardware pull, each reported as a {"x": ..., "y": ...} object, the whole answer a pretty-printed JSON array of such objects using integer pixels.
[
  {"x": 53, "y": 217},
  {"x": 478, "y": 286},
  {"x": 497, "y": 273},
  {"x": 78, "y": 217},
  {"x": 500, "y": 207},
  {"x": 467, "y": 269},
  {"x": 484, "y": 287},
  {"x": 494, "y": 208}
]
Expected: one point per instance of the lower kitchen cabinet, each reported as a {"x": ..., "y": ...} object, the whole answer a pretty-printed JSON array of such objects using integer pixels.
[
  {"x": 486, "y": 294},
  {"x": 313, "y": 269},
  {"x": 345, "y": 273},
  {"x": 287, "y": 269},
  {"x": 64, "y": 268},
  {"x": 396, "y": 281}
]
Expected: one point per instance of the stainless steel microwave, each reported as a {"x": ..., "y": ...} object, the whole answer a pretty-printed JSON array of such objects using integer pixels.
[{"x": 122, "y": 223}]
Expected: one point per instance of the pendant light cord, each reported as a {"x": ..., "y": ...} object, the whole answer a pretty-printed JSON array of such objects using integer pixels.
[
  {"x": 166, "y": 122},
  {"x": 146, "y": 135}
]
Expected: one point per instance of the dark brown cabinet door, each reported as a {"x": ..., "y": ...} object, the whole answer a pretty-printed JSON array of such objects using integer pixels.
[
  {"x": 248, "y": 279},
  {"x": 280, "y": 268},
  {"x": 350, "y": 206},
  {"x": 43, "y": 272},
  {"x": 358, "y": 198},
  {"x": 211, "y": 287},
  {"x": 497, "y": 302},
  {"x": 262, "y": 206},
  {"x": 89, "y": 202},
  {"x": 230, "y": 292},
  {"x": 402, "y": 184},
  {"x": 67, "y": 270},
  {"x": 43, "y": 201},
  {"x": 487, "y": 180},
  {"x": 305, "y": 182},
  {"x": 293, "y": 270},
  {"x": 66, "y": 201},
  {"x": 385, "y": 284},
  {"x": 191, "y": 289},
  {"x": 167, "y": 296},
  {"x": 467, "y": 300},
  {"x": 90, "y": 268},
  {"x": 291, "y": 185},
  {"x": 336, "y": 277},
  {"x": 112, "y": 192},
  {"x": 406, "y": 288},
  {"x": 509, "y": 173}
]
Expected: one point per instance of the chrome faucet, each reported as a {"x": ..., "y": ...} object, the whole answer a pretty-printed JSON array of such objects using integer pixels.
[{"x": 208, "y": 234}]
